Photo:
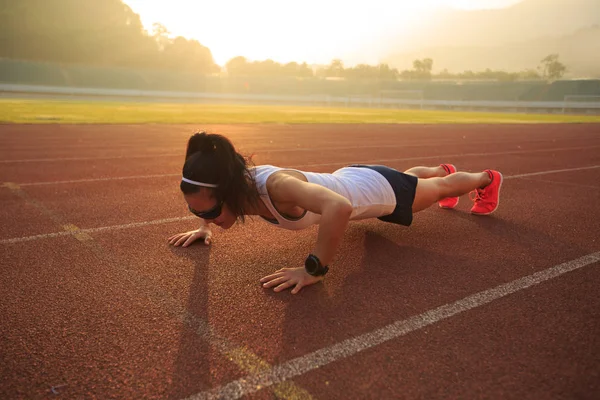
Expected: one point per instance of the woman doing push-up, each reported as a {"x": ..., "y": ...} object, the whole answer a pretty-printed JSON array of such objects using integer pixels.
[{"x": 220, "y": 187}]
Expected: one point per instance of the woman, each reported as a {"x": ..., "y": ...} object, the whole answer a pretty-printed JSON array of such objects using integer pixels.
[{"x": 220, "y": 187}]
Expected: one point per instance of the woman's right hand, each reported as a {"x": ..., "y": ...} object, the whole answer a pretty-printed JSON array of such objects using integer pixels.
[{"x": 187, "y": 238}]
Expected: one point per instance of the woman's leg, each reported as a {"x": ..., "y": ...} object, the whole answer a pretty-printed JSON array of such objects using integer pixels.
[
  {"x": 430, "y": 191},
  {"x": 427, "y": 172}
]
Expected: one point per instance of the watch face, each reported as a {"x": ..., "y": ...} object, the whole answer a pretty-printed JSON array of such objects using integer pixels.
[{"x": 311, "y": 265}]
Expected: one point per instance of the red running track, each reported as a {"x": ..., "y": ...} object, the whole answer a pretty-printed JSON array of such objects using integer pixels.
[{"x": 95, "y": 304}]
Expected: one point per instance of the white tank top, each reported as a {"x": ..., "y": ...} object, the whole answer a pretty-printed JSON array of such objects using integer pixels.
[{"x": 369, "y": 192}]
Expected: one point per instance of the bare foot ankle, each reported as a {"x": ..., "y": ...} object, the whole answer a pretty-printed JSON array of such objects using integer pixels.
[{"x": 486, "y": 179}]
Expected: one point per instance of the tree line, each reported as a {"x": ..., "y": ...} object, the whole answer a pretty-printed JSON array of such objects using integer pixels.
[
  {"x": 94, "y": 32},
  {"x": 109, "y": 33},
  {"x": 550, "y": 68}
]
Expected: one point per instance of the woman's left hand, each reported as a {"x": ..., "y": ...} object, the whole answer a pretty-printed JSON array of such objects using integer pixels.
[{"x": 288, "y": 277}]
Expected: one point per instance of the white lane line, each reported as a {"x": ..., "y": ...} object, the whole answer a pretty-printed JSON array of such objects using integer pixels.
[
  {"x": 118, "y": 178},
  {"x": 309, "y": 362},
  {"x": 296, "y": 166},
  {"x": 290, "y": 150},
  {"x": 561, "y": 183},
  {"x": 164, "y": 221},
  {"x": 243, "y": 146},
  {"x": 93, "y": 230},
  {"x": 440, "y": 156},
  {"x": 378, "y": 161},
  {"x": 555, "y": 171},
  {"x": 258, "y": 151},
  {"x": 31, "y": 160}
]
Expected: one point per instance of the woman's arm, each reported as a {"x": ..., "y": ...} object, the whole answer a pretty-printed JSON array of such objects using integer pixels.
[
  {"x": 335, "y": 211},
  {"x": 334, "y": 220}
]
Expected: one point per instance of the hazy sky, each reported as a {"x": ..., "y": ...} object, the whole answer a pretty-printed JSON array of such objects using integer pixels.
[{"x": 315, "y": 31}]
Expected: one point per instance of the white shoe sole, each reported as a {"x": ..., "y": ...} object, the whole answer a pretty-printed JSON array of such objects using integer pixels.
[{"x": 448, "y": 208}]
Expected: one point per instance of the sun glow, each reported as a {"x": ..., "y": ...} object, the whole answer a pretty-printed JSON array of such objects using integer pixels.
[
  {"x": 480, "y": 4},
  {"x": 317, "y": 31}
]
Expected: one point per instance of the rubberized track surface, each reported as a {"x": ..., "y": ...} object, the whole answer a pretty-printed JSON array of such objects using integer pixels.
[{"x": 95, "y": 304}]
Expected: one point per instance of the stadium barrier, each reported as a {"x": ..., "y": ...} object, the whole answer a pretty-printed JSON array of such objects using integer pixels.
[{"x": 570, "y": 104}]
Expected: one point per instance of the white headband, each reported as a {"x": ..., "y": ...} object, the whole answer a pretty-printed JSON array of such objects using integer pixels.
[{"x": 210, "y": 185}]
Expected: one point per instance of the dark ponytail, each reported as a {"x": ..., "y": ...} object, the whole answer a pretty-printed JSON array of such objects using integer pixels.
[{"x": 211, "y": 158}]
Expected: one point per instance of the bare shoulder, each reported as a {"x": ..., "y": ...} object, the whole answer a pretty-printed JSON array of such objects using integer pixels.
[{"x": 281, "y": 182}]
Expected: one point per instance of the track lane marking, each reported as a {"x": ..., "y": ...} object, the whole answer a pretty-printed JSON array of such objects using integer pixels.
[
  {"x": 349, "y": 347},
  {"x": 176, "y": 219}
]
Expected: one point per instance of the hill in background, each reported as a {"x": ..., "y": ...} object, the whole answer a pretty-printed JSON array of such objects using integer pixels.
[{"x": 514, "y": 38}]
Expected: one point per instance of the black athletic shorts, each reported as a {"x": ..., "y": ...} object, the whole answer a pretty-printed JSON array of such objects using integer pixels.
[{"x": 405, "y": 187}]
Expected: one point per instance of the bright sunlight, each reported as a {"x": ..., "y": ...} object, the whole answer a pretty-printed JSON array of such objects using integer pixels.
[{"x": 316, "y": 32}]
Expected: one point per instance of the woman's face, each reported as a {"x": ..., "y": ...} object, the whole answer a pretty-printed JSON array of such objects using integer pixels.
[{"x": 205, "y": 205}]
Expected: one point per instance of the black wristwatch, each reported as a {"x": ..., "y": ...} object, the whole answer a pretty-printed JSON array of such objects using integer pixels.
[{"x": 314, "y": 267}]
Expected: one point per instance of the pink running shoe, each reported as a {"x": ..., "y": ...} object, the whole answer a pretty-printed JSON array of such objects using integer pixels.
[
  {"x": 448, "y": 202},
  {"x": 487, "y": 199}
]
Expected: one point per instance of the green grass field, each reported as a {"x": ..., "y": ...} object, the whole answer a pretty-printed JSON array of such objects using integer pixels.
[{"x": 95, "y": 112}]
